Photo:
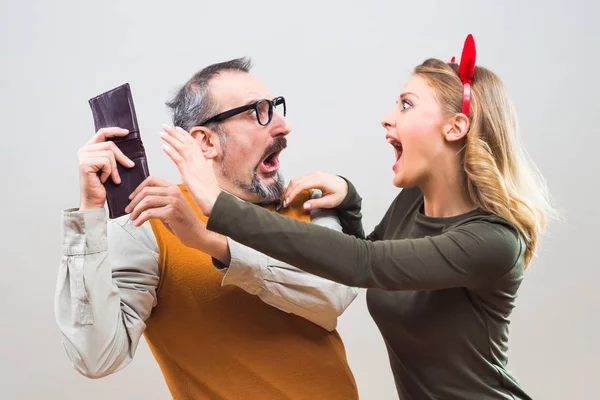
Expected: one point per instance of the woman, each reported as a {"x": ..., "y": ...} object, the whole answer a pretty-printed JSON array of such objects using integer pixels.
[{"x": 444, "y": 265}]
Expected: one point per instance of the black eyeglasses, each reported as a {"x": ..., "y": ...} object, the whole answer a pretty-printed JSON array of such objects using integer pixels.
[{"x": 263, "y": 109}]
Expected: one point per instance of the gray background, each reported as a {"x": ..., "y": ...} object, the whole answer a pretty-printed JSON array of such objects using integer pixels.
[{"x": 340, "y": 66}]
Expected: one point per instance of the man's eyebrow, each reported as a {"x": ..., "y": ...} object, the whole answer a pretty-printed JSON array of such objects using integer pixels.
[{"x": 252, "y": 100}]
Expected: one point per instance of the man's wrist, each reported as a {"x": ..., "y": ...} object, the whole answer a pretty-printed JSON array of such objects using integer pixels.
[
  {"x": 85, "y": 205},
  {"x": 213, "y": 201},
  {"x": 218, "y": 248},
  {"x": 222, "y": 252}
]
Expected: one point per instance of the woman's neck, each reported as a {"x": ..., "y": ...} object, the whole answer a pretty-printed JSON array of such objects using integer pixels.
[{"x": 445, "y": 193}]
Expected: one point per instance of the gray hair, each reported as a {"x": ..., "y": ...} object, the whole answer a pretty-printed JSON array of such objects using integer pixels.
[{"x": 193, "y": 103}]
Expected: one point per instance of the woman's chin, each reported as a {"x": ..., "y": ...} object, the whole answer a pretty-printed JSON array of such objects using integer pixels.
[
  {"x": 402, "y": 181},
  {"x": 398, "y": 180}
]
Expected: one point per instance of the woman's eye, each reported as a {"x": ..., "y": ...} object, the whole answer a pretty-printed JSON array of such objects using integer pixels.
[{"x": 406, "y": 105}]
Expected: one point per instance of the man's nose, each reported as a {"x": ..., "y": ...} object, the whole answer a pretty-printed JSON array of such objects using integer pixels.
[{"x": 279, "y": 125}]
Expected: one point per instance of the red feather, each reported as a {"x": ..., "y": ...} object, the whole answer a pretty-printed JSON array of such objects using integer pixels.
[
  {"x": 453, "y": 60},
  {"x": 466, "y": 68}
]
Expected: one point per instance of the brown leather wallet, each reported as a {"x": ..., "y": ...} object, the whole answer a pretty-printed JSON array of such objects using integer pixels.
[{"x": 115, "y": 109}]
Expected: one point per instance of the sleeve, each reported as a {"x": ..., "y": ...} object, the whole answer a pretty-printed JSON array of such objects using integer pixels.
[
  {"x": 350, "y": 216},
  {"x": 349, "y": 212},
  {"x": 469, "y": 255},
  {"x": 106, "y": 289},
  {"x": 286, "y": 287}
]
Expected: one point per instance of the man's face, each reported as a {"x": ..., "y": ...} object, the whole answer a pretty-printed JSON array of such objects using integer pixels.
[{"x": 248, "y": 162}]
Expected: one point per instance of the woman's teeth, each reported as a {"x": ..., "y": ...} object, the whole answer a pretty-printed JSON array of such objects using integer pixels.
[
  {"x": 394, "y": 142},
  {"x": 397, "y": 147}
]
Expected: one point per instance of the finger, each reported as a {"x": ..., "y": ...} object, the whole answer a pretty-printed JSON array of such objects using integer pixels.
[
  {"x": 179, "y": 133},
  {"x": 174, "y": 133},
  {"x": 146, "y": 203},
  {"x": 176, "y": 157},
  {"x": 323, "y": 202},
  {"x": 296, "y": 180},
  {"x": 150, "y": 181},
  {"x": 291, "y": 184},
  {"x": 149, "y": 191},
  {"x": 172, "y": 141},
  {"x": 144, "y": 192},
  {"x": 106, "y": 133},
  {"x": 114, "y": 172},
  {"x": 185, "y": 135},
  {"x": 298, "y": 187},
  {"x": 113, "y": 165},
  {"x": 118, "y": 154},
  {"x": 146, "y": 215},
  {"x": 101, "y": 164}
]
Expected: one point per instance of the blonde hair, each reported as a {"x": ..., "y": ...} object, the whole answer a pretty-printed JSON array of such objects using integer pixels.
[{"x": 500, "y": 176}]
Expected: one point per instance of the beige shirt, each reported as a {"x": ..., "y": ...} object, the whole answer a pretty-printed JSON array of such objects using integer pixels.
[{"x": 109, "y": 275}]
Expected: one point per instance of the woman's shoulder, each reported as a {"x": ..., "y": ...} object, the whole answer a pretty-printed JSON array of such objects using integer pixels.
[{"x": 495, "y": 238}]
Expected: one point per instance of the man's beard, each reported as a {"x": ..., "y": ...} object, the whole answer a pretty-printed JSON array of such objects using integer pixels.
[{"x": 268, "y": 194}]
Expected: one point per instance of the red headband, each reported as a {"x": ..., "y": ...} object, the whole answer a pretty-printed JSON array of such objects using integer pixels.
[{"x": 466, "y": 69}]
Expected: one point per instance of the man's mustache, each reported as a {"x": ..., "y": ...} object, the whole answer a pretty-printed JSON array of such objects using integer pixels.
[{"x": 278, "y": 144}]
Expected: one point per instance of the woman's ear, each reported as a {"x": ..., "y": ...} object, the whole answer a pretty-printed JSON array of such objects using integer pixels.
[
  {"x": 208, "y": 141},
  {"x": 456, "y": 128}
]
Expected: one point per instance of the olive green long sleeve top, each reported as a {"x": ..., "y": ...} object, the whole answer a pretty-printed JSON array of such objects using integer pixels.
[{"x": 441, "y": 290}]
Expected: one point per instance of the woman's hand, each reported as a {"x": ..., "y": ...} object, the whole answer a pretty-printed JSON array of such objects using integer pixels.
[
  {"x": 196, "y": 171},
  {"x": 333, "y": 187}
]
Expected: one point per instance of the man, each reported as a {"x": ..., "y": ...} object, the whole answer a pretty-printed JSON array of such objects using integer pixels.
[{"x": 256, "y": 332}]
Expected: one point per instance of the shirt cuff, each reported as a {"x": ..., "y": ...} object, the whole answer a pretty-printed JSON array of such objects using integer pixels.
[
  {"x": 246, "y": 267},
  {"x": 84, "y": 232}
]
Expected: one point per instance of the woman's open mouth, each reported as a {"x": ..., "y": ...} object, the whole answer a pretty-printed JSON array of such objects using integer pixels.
[{"x": 397, "y": 149}]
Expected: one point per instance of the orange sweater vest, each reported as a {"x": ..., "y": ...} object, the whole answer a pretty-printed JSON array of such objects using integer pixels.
[{"x": 214, "y": 342}]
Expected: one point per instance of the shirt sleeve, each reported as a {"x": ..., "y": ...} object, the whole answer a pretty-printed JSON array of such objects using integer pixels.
[
  {"x": 470, "y": 255},
  {"x": 286, "y": 287},
  {"x": 106, "y": 288}
]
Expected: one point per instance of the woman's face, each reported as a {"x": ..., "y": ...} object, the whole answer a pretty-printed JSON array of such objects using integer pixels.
[{"x": 415, "y": 130}]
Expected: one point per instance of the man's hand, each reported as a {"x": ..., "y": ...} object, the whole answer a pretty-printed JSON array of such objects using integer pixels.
[
  {"x": 156, "y": 198},
  {"x": 196, "y": 171},
  {"x": 97, "y": 162},
  {"x": 333, "y": 187}
]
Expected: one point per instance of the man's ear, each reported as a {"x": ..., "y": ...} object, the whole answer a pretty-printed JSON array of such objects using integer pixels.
[
  {"x": 208, "y": 140},
  {"x": 456, "y": 128}
]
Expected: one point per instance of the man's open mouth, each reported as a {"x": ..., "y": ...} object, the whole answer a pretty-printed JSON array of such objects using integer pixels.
[{"x": 270, "y": 162}]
